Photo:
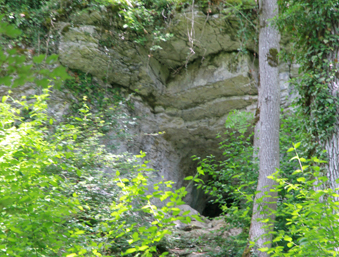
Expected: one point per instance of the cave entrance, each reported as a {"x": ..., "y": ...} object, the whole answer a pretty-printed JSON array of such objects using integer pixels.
[
  {"x": 196, "y": 196},
  {"x": 213, "y": 210}
]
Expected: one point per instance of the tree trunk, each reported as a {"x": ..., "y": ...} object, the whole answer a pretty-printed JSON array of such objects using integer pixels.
[
  {"x": 332, "y": 150},
  {"x": 332, "y": 142},
  {"x": 269, "y": 105}
]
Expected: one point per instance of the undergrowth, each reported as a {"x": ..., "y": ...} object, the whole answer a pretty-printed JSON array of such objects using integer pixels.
[
  {"x": 232, "y": 182},
  {"x": 62, "y": 193}
]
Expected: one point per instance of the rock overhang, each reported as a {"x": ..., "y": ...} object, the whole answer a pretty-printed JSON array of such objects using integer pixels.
[{"x": 188, "y": 98}]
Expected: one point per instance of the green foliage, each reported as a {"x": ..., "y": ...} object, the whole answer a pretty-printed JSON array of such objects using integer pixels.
[
  {"x": 232, "y": 182},
  {"x": 152, "y": 223},
  {"x": 33, "y": 209},
  {"x": 238, "y": 121},
  {"x": 106, "y": 103},
  {"x": 60, "y": 190},
  {"x": 245, "y": 12},
  {"x": 144, "y": 20},
  {"x": 57, "y": 198},
  {"x": 14, "y": 68},
  {"x": 312, "y": 26},
  {"x": 28, "y": 16},
  {"x": 312, "y": 221},
  {"x": 306, "y": 217},
  {"x": 51, "y": 186}
]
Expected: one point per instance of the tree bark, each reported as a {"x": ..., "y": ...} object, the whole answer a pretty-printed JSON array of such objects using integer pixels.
[
  {"x": 332, "y": 150},
  {"x": 269, "y": 105},
  {"x": 332, "y": 142}
]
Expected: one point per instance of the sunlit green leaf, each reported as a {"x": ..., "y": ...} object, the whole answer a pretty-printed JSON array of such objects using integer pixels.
[{"x": 131, "y": 250}]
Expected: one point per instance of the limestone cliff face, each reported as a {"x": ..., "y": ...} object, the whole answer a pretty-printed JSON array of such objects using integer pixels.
[{"x": 187, "y": 89}]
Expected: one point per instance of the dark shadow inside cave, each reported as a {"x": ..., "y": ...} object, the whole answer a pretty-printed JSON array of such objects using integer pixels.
[
  {"x": 213, "y": 209},
  {"x": 189, "y": 162}
]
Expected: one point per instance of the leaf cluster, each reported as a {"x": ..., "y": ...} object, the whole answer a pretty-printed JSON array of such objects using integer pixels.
[
  {"x": 106, "y": 104},
  {"x": 313, "y": 28},
  {"x": 312, "y": 224},
  {"x": 17, "y": 69},
  {"x": 231, "y": 183},
  {"x": 56, "y": 196}
]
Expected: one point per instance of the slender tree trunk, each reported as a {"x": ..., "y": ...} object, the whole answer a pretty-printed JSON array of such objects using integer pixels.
[
  {"x": 332, "y": 143},
  {"x": 269, "y": 106},
  {"x": 332, "y": 150}
]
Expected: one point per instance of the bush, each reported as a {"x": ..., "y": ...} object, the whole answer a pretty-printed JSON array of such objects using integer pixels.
[
  {"x": 34, "y": 210},
  {"x": 232, "y": 182},
  {"x": 311, "y": 221},
  {"x": 56, "y": 199},
  {"x": 307, "y": 213}
]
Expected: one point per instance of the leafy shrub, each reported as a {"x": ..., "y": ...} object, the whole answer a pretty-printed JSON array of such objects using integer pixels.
[
  {"x": 53, "y": 200},
  {"x": 34, "y": 209},
  {"x": 56, "y": 199},
  {"x": 232, "y": 182},
  {"x": 307, "y": 213},
  {"x": 312, "y": 221}
]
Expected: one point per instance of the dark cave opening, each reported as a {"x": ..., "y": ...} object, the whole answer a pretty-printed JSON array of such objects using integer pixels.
[
  {"x": 213, "y": 209},
  {"x": 198, "y": 197}
]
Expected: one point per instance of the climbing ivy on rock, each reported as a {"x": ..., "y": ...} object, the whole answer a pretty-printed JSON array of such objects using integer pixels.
[
  {"x": 106, "y": 102},
  {"x": 143, "y": 20},
  {"x": 313, "y": 26}
]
